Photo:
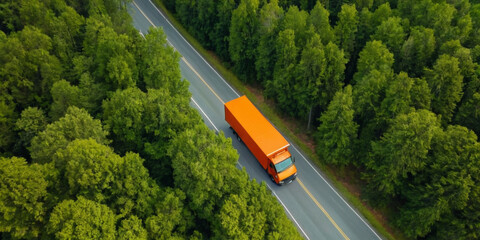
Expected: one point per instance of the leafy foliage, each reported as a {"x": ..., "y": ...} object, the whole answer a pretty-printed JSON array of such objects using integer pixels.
[
  {"x": 242, "y": 39},
  {"x": 82, "y": 219},
  {"x": 76, "y": 124},
  {"x": 23, "y": 190},
  {"x": 338, "y": 131},
  {"x": 445, "y": 81}
]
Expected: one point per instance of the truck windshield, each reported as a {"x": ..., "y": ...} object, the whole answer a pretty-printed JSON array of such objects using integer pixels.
[{"x": 283, "y": 165}]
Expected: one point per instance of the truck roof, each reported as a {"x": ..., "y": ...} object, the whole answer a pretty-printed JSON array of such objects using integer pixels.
[{"x": 257, "y": 126}]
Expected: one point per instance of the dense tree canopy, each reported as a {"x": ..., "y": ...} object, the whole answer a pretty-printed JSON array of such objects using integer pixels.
[{"x": 410, "y": 68}]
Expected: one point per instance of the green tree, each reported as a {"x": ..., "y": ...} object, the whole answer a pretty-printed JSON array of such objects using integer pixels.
[
  {"x": 420, "y": 94},
  {"x": 159, "y": 63},
  {"x": 205, "y": 20},
  {"x": 397, "y": 97},
  {"x": 186, "y": 12},
  {"x": 92, "y": 94},
  {"x": 270, "y": 16},
  {"x": 402, "y": 151},
  {"x": 469, "y": 113},
  {"x": 439, "y": 18},
  {"x": 146, "y": 122},
  {"x": 465, "y": 61},
  {"x": 27, "y": 68},
  {"x": 365, "y": 29},
  {"x": 417, "y": 51},
  {"x": 36, "y": 13},
  {"x": 446, "y": 82},
  {"x": 31, "y": 122},
  {"x": 222, "y": 28},
  {"x": 81, "y": 219},
  {"x": 169, "y": 221},
  {"x": 310, "y": 86},
  {"x": 319, "y": 19},
  {"x": 23, "y": 191},
  {"x": 373, "y": 74},
  {"x": 346, "y": 29},
  {"x": 89, "y": 169},
  {"x": 76, "y": 124},
  {"x": 441, "y": 192},
  {"x": 369, "y": 22},
  {"x": 338, "y": 131},
  {"x": 284, "y": 72},
  {"x": 131, "y": 228},
  {"x": 334, "y": 72},
  {"x": 243, "y": 39},
  {"x": 7, "y": 123},
  {"x": 474, "y": 37},
  {"x": 112, "y": 60},
  {"x": 64, "y": 95},
  {"x": 296, "y": 20},
  {"x": 391, "y": 33},
  {"x": 374, "y": 56},
  {"x": 133, "y": 191},
  {"x": 368, "y": 95},
  {"x": 204, "y": 168},
  {"x": 253, "y": 213},
  {"x": 66, "y": 32},
  {"x": 240, "y": 220},
  {"x": 122, "y": 115}
]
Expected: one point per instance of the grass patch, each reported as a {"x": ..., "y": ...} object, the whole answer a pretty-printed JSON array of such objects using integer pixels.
[{"x": 269, "y": 111}]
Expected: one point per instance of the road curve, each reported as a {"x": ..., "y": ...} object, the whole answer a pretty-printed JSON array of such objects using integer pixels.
[{"x": 315, "y": 207}]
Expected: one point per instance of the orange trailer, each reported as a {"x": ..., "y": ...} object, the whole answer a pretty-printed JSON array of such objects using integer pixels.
[{"x": 262, "y": 139}]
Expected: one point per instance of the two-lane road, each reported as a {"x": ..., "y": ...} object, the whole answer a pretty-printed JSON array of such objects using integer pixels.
[{"x": 314, "y": 206}]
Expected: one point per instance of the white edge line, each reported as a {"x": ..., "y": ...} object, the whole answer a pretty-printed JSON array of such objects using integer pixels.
[
  {"x": 288, "y": 212},
  {"x": 301, "y": 229},
  {"x": 292, "y": 144},
  {"x": 337, "y": 193},
  {"x": 193, "y": 48},
  {"x": 204, "y": 114}
]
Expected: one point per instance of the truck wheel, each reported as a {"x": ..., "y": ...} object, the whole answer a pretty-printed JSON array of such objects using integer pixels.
[
  {"x": 271, "y": 178},
  {"x": 236, "y": 135}
]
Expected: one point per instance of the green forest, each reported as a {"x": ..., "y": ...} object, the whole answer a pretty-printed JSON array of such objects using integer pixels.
[
  {"x": 98, "y": 140},
  {"x": 390, "y": 89}
]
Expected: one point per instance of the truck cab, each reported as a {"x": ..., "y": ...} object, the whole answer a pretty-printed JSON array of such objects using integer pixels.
[{"x": 282, "y": 169}]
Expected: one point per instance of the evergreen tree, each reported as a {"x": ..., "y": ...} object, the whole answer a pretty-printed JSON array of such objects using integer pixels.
[
  {"x": 337, "y": 131},
  {"x": 446, "y": 82},
  {"x": 270, "y": 16},
  {"x": 319, "y": 19},
  {"x": 243, "y": 39},
  {"x": 346, "y": 29}
]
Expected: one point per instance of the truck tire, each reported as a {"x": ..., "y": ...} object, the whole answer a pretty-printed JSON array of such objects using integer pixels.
[{"x": 271, "y": 178}]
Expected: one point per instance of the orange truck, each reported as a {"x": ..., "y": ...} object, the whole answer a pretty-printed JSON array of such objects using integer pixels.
[{"x": 262, "y": 139}]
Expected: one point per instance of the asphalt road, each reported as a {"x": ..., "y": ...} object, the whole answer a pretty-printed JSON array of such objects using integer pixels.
[{"x": 313, "y": 205}]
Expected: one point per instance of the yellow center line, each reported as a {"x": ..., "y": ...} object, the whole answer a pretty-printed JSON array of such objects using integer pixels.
[
  {"x": 323, "y": 209},
  {"x": 198, "y": 75}
]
